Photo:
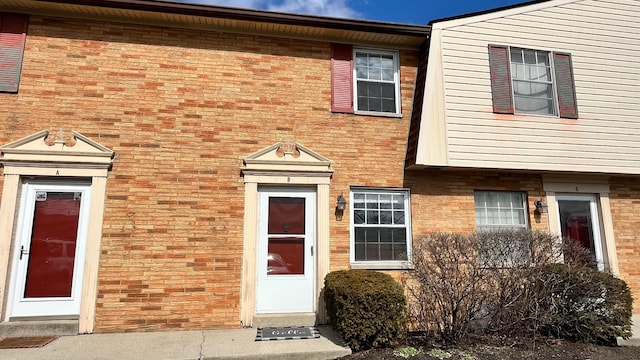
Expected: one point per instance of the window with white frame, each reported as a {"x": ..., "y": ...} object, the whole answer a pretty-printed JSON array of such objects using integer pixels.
[
  {"x": 377, "y": 84},
  {"x": 497, "y": 211},
  {"x": 529, "y": 81},
  {"x": 533, "y": 87},
  {"x": 380, "y": 226},
  {"x": 500, "y": 210}
]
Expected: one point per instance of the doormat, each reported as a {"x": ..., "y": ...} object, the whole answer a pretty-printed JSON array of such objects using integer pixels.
[
  {"x": 287, "y": 333},
  {"x": 23, "y": 342}
]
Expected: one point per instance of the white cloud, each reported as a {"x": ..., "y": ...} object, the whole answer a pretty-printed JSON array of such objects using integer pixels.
[{"x": 334, "y": 8}]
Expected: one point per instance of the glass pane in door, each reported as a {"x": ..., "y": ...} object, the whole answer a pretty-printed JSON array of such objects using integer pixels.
[
  {"x": 576, "y": 222},
  {"x": 285, "y": 254},
  {"x": 52, "y": 249}
]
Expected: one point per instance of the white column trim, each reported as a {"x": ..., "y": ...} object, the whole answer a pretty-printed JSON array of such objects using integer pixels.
[{"x": 10, "y": 189}]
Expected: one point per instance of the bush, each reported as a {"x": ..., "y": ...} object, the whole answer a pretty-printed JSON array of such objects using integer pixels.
[
  {"x": 509, "y": 283},
  {"x": 583, "y": 304},
  {"x": 447, "y": 287},
  {"x": 366, "y": 308}
]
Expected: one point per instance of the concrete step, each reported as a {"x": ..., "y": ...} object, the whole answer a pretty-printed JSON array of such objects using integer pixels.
[
  {"x": 39, "y": 328},
  {"x": 292, "y": 319}
]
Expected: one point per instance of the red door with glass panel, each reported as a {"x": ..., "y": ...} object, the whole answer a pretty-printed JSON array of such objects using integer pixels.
[
  {"x": 49, "y": 251},
  {"x": 579, "y": 221},
  {"x": 285, "y": 251}
]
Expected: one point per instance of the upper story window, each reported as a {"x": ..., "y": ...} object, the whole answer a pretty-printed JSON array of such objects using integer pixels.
[
  {"x": 380, "y": 228},
  {"x": 13, "y": 30},
  {"x": 531, "y": 81},
  {"x": 376, "y": 78},
  {"x": 533, "y": 90},
  {"x": 365, "y": 81}
]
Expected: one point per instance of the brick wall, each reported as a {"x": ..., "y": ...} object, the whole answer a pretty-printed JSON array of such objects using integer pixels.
[
  {"x": 625, "y": 207},
  {"x": 181, "y": 108},
  {"x": 444, "y": 200}
]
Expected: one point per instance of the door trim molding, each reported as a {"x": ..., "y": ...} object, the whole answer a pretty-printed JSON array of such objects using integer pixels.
[{"x": 284, "y": 164}]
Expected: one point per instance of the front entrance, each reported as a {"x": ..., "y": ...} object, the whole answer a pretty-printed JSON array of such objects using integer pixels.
[
  {"x": 579, "y": 221},
  {"x": 285, "y": 256},
  {"x": 49, "y": 250}
]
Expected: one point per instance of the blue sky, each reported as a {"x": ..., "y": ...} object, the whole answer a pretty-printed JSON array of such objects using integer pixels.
[{"x": 402, "y": 11}]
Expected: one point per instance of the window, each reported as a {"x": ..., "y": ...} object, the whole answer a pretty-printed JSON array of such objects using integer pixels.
[
  {"x": 496, "y": 211},
  {"x": 376, "y": 81},
  {"x": 13, "y": 30},
  {"x": 368, "y": 85},
  {"x": 500, "y": 210},
  {"x": 381, "y": 231},
  {"x": 532, "y": 82}
]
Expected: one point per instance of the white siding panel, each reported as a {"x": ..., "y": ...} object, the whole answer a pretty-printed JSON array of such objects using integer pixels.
[{"x": 603, "y": 37}]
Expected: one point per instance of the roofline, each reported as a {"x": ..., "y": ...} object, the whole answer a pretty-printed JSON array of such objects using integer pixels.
[
  {"x": 483, "y": 12},
  {"x": 167, "y": 6}
]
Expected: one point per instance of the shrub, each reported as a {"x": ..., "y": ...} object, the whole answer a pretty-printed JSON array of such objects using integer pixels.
[
  {"x": 509, "y": 282},
  {"x": 447, "y": 287},
  {"x": 583, "y": 304},
  {"x": 366, "y": 308}
]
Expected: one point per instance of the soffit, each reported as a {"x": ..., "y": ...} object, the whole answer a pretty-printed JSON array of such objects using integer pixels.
[{"x": 214, "y": 18}]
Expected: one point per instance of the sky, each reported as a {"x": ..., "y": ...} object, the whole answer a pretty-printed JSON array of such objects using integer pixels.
[{"x": 398, "y": 11}]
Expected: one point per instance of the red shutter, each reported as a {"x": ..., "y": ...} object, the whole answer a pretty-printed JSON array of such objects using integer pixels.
[
  {"x": 13, "y": 30},
  {"x": 500, "y": 79},
  {"x": 565, "y": 86},
  {"x": 341, "y": 78}
]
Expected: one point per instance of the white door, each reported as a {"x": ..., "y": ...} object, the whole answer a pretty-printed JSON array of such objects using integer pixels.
[
  {"x": 286, "y": 242},
  {"x": 49, "y": 251},
  {"x": 579, "y": 221}
]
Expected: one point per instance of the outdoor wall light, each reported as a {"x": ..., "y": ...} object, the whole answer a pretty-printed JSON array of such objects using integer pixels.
[
  {"x": 541, "y": 207},
  {"x": 341, "y": 204}
]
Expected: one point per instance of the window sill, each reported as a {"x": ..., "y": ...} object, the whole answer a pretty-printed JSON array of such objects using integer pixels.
[
  {"x": 378, "y": 114},
  {"x": 382, "y": 266}
]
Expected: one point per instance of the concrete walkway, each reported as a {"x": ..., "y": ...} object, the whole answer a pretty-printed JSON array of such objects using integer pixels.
[{"x": 183, "y": 345}]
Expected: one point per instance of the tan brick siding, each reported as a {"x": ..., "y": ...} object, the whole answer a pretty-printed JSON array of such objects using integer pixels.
[
  {"x": 444, "y": 200},
  {"x": 181, "y": 108},
  {"x": 625, "y": 211}
]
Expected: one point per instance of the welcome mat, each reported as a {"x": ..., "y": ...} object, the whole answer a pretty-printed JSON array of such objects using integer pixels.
[
  {"x": 26, "y": 342},
  {"x": 287, "y": 333}
]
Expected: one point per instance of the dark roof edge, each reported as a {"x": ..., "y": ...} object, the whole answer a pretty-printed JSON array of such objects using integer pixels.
[
  {"x": 527, "y": 3},
  {"x": 165, "y": 6}
]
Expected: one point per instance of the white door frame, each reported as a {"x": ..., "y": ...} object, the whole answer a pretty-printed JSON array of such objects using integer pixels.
[
  {"x": 595, "y": 222},
  {"x": 286, "y": 293},
  {"x": 18, "y": 306}
]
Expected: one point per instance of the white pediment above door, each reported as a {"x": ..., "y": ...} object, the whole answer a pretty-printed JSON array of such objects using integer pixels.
[
  {"x": 57, "y": 150},
  {"x": 287, "y": 157}
]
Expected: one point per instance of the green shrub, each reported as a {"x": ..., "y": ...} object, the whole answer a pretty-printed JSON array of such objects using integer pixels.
[
  {"x": 366, "y": 308},
  {"x": 583, "y": 304}
]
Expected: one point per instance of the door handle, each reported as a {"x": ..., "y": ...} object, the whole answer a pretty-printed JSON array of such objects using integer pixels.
[
  {"x": 23, "y": 252},
  {"x": 311, "y": 250}
]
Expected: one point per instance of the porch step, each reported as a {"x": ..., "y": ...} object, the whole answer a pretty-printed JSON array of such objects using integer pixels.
[
  {"x": 39, "y": 328},
  {"x": 273, "y": 320}
]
